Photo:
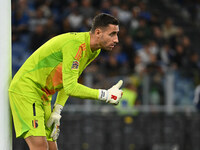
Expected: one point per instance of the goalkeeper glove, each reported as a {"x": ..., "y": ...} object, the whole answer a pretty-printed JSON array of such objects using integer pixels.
[
  {"x": 54, "y": 120},
  {"x": 112, "y": 95}
]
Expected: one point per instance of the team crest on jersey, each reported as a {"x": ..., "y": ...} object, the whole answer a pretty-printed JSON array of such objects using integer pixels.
[
  {"x": 75, "y": 64},
  {"x": 35, "y": 123}
]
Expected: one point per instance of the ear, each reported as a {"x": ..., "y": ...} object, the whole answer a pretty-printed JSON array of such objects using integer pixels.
[{"x": 98, "y": 32}]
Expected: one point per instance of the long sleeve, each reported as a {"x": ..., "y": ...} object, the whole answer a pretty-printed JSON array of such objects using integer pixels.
[
  {"x": 73, "y": 88},
  {"x": 61, "y": 97},
  {"x": 76, "y": 55}
]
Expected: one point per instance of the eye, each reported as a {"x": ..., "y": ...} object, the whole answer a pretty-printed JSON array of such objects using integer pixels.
[{"x": 112, "y": 34}]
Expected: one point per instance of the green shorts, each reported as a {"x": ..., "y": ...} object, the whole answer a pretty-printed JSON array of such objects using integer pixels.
[{"x": 30, "y": 116}]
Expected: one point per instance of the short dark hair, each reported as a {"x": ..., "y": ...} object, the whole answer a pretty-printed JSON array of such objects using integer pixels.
[{"x": 103, "y": 20}]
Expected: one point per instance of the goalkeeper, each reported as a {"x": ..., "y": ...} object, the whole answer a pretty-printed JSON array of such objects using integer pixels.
[{"x": 56, "y": 66}]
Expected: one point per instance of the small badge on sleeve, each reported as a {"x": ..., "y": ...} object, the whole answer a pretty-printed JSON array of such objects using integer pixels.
[{"x": 75, "y": 64}]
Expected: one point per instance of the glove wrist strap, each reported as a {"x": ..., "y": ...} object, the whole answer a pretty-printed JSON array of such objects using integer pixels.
[{"x": 103, "y": 94}]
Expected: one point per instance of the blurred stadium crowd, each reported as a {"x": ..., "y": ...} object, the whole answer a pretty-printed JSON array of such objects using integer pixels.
[{"x": 155, "y": 36}]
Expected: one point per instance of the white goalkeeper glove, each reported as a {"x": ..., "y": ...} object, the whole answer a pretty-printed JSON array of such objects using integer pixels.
[
  {"x": 54, "y": 120},
  {"x": 112, "y": 95}
]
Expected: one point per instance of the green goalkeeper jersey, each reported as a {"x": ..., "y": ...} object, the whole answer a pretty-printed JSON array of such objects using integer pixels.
[{"x": 56, "y": 66}]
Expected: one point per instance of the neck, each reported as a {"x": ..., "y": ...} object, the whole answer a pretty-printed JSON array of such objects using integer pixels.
[{"x": 94, "y": 45}]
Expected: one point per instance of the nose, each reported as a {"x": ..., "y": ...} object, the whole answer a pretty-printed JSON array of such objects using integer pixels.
[{"x": 116, "y": 40}]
